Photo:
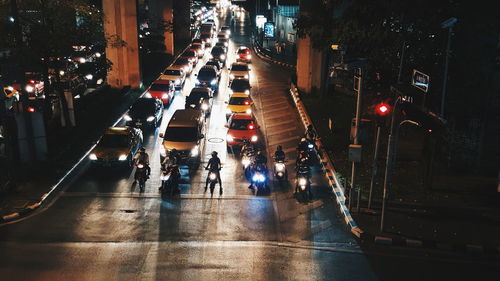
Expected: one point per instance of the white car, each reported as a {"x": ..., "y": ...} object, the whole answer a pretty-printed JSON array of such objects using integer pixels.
[
  {"x": 175, "y": 74},
  {"x": 239, "y": 70}
]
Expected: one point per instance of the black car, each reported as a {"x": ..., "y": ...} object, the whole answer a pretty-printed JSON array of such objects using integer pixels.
[
  {"x": 200, "y": 98},
  {"x": 215, "y": 63},
  {"x": 240, "y": 86},
  {"x": 208, "y": 77},
  {"x": 219, "y": 54},
  {"x": 145, "y": 112}
]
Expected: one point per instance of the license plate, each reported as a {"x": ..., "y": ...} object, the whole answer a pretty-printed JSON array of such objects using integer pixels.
[{"x": 138, "y": 124}]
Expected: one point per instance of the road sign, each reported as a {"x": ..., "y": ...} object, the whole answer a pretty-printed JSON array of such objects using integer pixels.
[
  {"x": 420, "y": 80},
  {"x": 269, "y": 29}
]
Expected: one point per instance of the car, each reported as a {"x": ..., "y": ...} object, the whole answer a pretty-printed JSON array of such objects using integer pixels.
[
  {"x": 241, "y": 127},
  {"x": 241, "y": 86},
  {"x": 186, "y": 65},
  {"x": 243, "y": 54},
  {"x": 117, "y": 147},
  {"x": 239, "y": 103},
  {"x": 163, "y": 90},
  {"x": 175, "y": 75},
  {"x": 223, "y": 41},
  {"x": 198, "y": 41},
  {"x": 207, "y": 39},
  {"x": 239, "y": 70},
  {"x": 93, "y": 73},
  {"x": 226, "y": 29},
  {"x": 222, "y": 34},
  {"x": 145, "y": 113},
  {"x": 184, "y": 133},
  {"x": 192, "y": 56},
  {"x": 199, "y": 49},
  {"x": 208, "y": 77},
  {"x": 215, "y": 63},
  {"x": 219, "y": 54},
  {"x": 200, "y": 98},
  {"x": 222, "y": 45}
]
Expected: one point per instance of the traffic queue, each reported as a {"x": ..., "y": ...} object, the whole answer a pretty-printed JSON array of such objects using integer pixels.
[{"x": 183, "y": 142}]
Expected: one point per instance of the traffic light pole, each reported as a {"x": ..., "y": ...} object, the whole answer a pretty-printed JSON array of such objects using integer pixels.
[
  {"x": 374, "y": 167},
  {"x": 356, "y": 140}
]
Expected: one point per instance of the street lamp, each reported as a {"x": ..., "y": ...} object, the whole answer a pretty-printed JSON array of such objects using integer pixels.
[{"x": 449, "y": 23}]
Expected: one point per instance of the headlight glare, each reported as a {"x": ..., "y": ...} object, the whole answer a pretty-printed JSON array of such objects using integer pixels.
[
  {"x": 150, "y": 119},
  {"x": 92, "y": 156},
  {"x": 122, "y": 157},
  {"x": 253, "y": 138},
  {"x": 127, "y": 117}
]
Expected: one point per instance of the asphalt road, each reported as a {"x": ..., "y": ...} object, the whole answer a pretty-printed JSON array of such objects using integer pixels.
[{"x": 100, "y": 227}]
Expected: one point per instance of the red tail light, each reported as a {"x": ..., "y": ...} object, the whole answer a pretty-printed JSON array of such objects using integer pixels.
[
  {"x": 32, "y": 81},
  {"x": 251, "y": 126},
  {"x": 246, "y": 102}
]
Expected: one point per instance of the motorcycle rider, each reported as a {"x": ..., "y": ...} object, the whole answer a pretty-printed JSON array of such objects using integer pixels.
[
  {"x": 247, "y": 146},
  {"x": 310, "y": 133},
  {"x": 214, "y": 165},
  {"x": 301, "y": 151},
  {"x": 260, "y": 159},
  {"x": 171, "y": 160},
  {"x": 279, "y": 154},
  {"x": 142, "y": 157}
]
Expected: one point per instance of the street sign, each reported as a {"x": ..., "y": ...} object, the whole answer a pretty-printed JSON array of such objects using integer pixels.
[
  {"x": 260, "y": 21},
  {"x": 420, "y": 80},
  {"x": 269, "y": 29}
]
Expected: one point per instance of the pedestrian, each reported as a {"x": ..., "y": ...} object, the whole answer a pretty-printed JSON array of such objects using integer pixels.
[
  {"x": 277, "y": 47},
  {"x": 283, "y": 47}
]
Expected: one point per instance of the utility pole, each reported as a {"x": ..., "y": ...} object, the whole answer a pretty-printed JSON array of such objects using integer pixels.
[
  {"x": 359, "y": 78},
  {"x": 449, "y": 23}
]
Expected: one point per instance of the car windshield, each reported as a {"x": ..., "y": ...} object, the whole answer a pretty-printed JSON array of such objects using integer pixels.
[
  {"x": 239, "y": 101},
  {"x": 239, "y": 67},
  {"x": 181, "y": 61},
  {"x": 240, "y": 124},
  {"x": 205, "y": 36},
  {"x": 198, "y": 94},
  {"x": 160, "y": 87},
  {"x": 240, "y": 85},
  {"x": 114, "y": 141},
  {"x": 206, "y": 73},
  {"x": 181, "y": 134},
  {"x": 172, "y": 72},
  {"x": 242, "y": 51},
  {"x": 143, "y": 105},
  {"x": 189, "y": 54},
  {"x": 217, "y": 51}
]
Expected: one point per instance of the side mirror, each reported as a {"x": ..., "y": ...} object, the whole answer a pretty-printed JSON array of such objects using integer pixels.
[
  {"x": 161, "y": 135},
  {"x": 195, "y": 74}
]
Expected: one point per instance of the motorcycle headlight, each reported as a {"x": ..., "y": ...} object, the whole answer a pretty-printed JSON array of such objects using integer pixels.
[
  {"x": 248, "y": 111},
  {"x": 229, "y": 111},
  {"x": 140, "y": 166},
  {"x": 310, "y": 146},
  {"x": 229, "y": 138},
  {"x": 99, "y": 81},
  {"x": 213, "y": 82},
  {"x": 122, "y": 157},
  {"x": 245, "y": 162},
  {"x": 222, "y": 57},
  {"x": 204, "y": 106},
  {"x": 231, "y": 76},
  {"x": 89, "y": 76},
  {"x": 150, "y": 119},
  {"x": 280, "y": 167},
  {"x": 163, "y": 151},
  {"x": 127, "y": 117},
  {"x": 92, "y": 157},
  {"x": 212, "y": 176},
  {"x": 258, "y": 177},
  {"x": 247, "y": 92},
  {"x": 194, "y": 151},
  {"x": 302, "y": 181},
  {"x": 253, "y": 138},
  {"x": 30, "y": 89},
  {"x": 246, "y": 76}
]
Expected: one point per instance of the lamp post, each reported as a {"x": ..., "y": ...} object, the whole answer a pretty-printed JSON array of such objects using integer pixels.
[{"x": 449, "y": 23}]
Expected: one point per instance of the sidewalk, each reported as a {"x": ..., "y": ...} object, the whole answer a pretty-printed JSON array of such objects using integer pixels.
[{"x": 287, "y": 56}]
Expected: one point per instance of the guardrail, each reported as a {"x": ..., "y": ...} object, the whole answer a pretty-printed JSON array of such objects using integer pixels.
[{"x": 327, "y": 166}]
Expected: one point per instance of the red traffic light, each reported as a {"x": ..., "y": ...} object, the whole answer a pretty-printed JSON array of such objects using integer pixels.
[
  {"x": 382, "y": 109},
  {"x": 30, "y": 109}
]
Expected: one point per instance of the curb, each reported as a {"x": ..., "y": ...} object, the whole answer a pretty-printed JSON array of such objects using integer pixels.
[
  {"x": 430, "y": 244},
  {"x": 327, "y": 168},
  {"x": 267, "y": 58}
]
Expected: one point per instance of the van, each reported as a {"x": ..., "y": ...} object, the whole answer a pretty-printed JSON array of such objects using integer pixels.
[{"x": 184, "y": 133}]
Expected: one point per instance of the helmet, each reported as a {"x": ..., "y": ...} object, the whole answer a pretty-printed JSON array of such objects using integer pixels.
[
  {"x": 142, "y": 149},
  {"x": 279, "y": 148},
  {"x": 310, "y": 127},
  {"x": 214, "y": 153}
]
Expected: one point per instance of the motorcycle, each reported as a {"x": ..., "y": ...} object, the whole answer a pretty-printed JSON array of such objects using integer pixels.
[
  {"x": 303, "y": 184},
  {"x": 259, "y": 179},
  {"x": 212, "y": 181},
  {"x": 170, "y": 180},
  {"x": 280, "y": 171},
  {"x": 140, "y": 175},
  {"x": 247, "y": 158}
]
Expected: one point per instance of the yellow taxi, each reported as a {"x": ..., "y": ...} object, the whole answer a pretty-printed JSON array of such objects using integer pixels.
[
  {"x": 239, "y": 103},
  {"x": 117, "y": 146}
]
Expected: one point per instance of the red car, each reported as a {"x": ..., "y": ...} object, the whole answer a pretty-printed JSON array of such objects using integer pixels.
[
  {"x": 243, "y": 55},
  {"x": 163, "y": 90},
  {"x": 242, "y": 127}
]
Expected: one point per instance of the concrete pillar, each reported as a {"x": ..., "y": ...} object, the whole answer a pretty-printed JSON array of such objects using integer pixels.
[
  {"x": 162, "y": 15},
  {"x": 182, "y": 22},
  {"x": 120, "y": 28}
]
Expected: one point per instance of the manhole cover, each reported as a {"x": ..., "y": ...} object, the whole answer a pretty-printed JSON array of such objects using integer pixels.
[{"x": 215, "y": 140}]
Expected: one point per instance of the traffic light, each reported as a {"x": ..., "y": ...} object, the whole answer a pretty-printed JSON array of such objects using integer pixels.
[{"x": 382, "y": 110}]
